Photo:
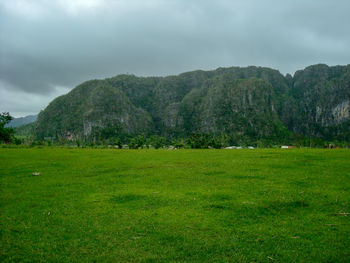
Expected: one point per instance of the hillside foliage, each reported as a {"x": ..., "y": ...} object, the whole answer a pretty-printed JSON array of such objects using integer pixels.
[{"x": 244, "y": 104}]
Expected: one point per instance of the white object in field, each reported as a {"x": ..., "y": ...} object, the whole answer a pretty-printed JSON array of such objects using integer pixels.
[{"x": 231, "y": 147}]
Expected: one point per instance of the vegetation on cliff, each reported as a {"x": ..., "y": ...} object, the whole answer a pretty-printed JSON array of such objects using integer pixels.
[{"x": 247, "y": 104}]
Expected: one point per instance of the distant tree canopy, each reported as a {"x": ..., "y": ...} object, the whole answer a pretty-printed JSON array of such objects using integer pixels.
[{"x": 5, "y": 133}]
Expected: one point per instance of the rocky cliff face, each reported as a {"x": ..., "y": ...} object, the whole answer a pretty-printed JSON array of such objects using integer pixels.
[
  {"x": 92, "y": 108},
  {"x": 322, "y": 95},
  {"x": 253, "y": 101}
]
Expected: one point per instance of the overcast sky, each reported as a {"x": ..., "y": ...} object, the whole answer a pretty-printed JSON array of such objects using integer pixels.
[{"x": 47, "y": 47}]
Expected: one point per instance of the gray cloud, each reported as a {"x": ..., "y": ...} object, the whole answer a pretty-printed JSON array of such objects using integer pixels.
[{"x": 48, "y": 47}]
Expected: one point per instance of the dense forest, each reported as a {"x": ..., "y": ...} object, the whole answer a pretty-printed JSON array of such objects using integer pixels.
[{"x": 227, "y": 106}]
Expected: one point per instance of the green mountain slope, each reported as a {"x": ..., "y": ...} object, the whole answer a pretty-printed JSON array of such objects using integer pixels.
[
  {"x": 92, "y": 109},
  {"x": 322, "y": 94},
  {"x": 253, "y": 101}
]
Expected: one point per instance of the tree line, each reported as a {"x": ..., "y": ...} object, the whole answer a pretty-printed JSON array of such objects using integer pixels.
[{"x": 112, "y": 137}]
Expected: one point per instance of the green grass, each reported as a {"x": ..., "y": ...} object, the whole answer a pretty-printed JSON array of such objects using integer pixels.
[{"x": 96, "y": 205}]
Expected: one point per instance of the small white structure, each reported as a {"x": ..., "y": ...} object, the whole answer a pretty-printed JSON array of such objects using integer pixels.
[
  {"x": 250, "y": 147},
  {"x": 231, "y": 147}
]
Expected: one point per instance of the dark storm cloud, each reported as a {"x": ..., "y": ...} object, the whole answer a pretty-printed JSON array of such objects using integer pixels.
[{"x": 48, "y": 47}]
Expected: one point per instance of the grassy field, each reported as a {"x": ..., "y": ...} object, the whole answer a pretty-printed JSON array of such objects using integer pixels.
[{"x": 95, "y": 205}]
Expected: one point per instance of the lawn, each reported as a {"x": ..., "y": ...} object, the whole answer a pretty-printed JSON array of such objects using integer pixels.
[{"x": 100, "y": 205}]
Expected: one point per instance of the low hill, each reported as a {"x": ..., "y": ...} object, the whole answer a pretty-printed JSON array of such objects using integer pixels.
[{"x": 16, "y": 122}]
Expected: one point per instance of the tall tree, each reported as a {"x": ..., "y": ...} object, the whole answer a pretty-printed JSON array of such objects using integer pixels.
[{"x": 5, "y": 133}]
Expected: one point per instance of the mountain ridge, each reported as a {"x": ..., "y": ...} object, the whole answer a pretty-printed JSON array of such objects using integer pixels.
[
  {"x": 255, "y": 102},
  {"x": 17, "y": 122}
]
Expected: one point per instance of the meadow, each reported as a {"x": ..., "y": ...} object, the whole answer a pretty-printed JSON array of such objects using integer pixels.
[{"x": 107, "y": 205}]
